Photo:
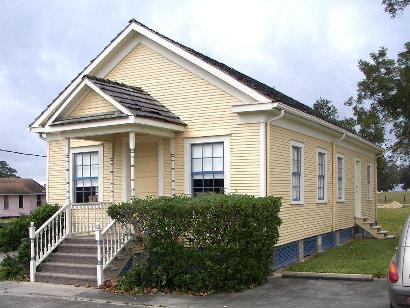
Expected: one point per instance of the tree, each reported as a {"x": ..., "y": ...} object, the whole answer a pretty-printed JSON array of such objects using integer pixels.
[
  {"x": 6, "y": 171},
  {"x": 405, "y": 177},
  {"x": 383, "y": 98},
  {"x": 393, "y": 7},
  {"x": 329, "y": 112},
  {"x": 387, "y": 174}
]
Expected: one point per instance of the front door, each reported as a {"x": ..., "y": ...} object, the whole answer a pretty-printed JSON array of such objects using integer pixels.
[{"x": 358, "y": 191}]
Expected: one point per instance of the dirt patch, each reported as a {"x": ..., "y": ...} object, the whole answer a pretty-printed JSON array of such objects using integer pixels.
[{"x": 393, "y": 205}]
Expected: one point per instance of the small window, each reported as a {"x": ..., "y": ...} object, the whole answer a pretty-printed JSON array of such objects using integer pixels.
[
  {"x": 86, "y": 169},
  {"x": 6, "y": 202},
  {"x": 369, "y": 181},
  {"x": 38, "y": 201},
  {"x": 207, "y": 168},
  {"x": 297, "y": 173},
  {"x": 21, "y": 202},
  {"x": 321, "y": 176},
  {"x": 340, "y": 178}
]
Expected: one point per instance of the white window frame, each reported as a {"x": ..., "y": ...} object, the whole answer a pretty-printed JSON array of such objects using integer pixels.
[
  {"x": 187, "y": 160},
  {"x": 320, "y": 150},
  {"x": 302, "y": 172},
  {"x": 338, "y": 155},
  {"x": 369, "y": 182},
  {"x": 100, "y": 150}
]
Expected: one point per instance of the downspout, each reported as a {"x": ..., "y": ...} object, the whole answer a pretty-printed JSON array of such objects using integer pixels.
[
  {"x": 267, "y": 148},
  {"x": 334, "y": 182}
]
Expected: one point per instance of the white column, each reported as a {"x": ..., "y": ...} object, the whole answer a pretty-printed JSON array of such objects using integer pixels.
[
  {"x": 262, "y": 159},
  {"x": 132, "y": 163},
  {"x": 161, "y": 167},
  {"x": 67, "y": 170},
  {"x": 112, "y": 173},
  {"x": 172, "y": 152},
  {"x": 32, "y": 230}
]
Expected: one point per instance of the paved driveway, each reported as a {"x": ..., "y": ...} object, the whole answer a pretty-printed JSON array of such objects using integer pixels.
[{"x": 277, "y": 292}]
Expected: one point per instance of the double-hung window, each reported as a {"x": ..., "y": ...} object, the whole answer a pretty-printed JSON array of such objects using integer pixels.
[
  {"x": 6, "y": 202},
  {"x": 321, "y": 176},
  {"x": 369, "y": 181},
  {"x": 85, "y": 184},
  {"x": 21, "y": 202},
  {"x": 38, "y": 200},
  {"x": 207, "y": 167},
  {"x": 340, "y": 178},
  {"x": 297, "y": 173}
]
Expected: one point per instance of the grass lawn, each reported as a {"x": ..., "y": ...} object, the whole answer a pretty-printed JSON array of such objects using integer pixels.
[{"x": 362, "y": 256}]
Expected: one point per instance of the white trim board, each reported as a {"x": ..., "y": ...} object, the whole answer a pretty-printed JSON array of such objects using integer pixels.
[
  {"x": 302, "y": 171},
  {"x": 84, "y": 149},
  {"x": 187, "y": 160}
]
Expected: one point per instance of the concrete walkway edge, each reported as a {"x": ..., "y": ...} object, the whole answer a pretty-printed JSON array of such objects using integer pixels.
[{"x": 328, "y": 276}]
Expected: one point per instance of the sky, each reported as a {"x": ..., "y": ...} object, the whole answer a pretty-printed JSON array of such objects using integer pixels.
[{"x": 306, "y": 49}]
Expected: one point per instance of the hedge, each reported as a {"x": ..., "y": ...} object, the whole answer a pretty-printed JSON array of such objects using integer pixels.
[
  {"x": 14, "y": 236},
  {"x": 209, "y": 243}
]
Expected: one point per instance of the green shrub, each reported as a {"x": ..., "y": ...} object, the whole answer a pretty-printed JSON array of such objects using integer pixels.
[
  {"x": 204, "y": 244},
  {"x": 10, "y": 269},
  {"x": 14, "y": 232}
]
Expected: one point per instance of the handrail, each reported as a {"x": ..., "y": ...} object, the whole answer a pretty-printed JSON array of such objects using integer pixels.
[
  {"x": 51, "y": 218},
  {"x": 110, "y": 242}
]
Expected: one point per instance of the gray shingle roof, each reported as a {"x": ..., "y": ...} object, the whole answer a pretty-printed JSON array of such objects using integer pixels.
[
  {"x": 15, "y": 186},
  {"x": 136, "y": 100}
]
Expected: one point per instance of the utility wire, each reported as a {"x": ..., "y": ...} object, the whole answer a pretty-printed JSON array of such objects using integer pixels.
[{"x": 20, "y": 153}]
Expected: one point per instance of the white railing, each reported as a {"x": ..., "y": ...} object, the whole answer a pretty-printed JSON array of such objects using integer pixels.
[
  {"x": 110, "y": 242},
  {"x": 85, "y": 217},
  {"x": 48, "y": 237}
]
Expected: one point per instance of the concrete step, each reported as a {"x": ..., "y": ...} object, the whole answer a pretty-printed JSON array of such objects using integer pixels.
[
  {"x": 73, "y": 258},
  {"x": 390, "y": 237},
  {"x": 383, "y": 232},
  {"x": 69, "y": 268},
  {"x": 80, "y": 240},
  {"x": 376, "y": 227},
  {"x": 72, "y": 279},
  {"x": 77, "y": 248}
]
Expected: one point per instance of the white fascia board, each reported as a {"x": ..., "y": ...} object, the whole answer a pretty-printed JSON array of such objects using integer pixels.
[
  {"x": 156, "y": 38},
  {"x": 254, "y": 107},
  {"x": 330, "y": 126}
]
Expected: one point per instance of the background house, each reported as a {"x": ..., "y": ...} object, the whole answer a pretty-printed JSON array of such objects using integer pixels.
[{"x": 20, "y": 196}]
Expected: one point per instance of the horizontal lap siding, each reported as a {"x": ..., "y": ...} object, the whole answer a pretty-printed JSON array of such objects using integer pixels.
[
  {"x": 56, "y": 172},
  {"x": 311, "y": 218},
  {"x": 92, "y": 103},
  {"x": 346, "y": 210},
  {"x": 146, "y": 169},
  {"x": 245, "y": 159},
  {"x": 197, "y": 102},
  {"x": 202, "y": 106}
]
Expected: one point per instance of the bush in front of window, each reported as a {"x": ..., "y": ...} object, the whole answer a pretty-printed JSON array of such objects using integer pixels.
[{"x": 210, "y": 243}]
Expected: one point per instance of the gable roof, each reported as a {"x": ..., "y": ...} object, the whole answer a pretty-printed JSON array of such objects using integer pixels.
[
  {"x": 252, "y": 87},
  {"x": 134, "y": 99},
  {"x": 16, "y": 186}
]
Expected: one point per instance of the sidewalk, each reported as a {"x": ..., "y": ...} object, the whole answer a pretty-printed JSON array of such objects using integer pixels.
[{"x": 277, "y": 292}]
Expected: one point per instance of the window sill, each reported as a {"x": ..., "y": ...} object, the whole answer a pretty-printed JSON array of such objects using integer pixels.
[
  {"x": 321, "y": 201},
  {"x": 297, "y": 202},
  {"x": 340, "y": 201}
]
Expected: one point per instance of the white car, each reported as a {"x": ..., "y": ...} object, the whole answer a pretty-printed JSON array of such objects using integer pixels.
[{"x": 399, "y": 271}]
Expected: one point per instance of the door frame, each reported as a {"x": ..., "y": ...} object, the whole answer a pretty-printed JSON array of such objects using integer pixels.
[{"x": 358, "y": 188}]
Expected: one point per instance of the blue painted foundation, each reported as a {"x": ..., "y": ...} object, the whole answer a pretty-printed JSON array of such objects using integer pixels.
[{"x": 288, "y": 254}]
